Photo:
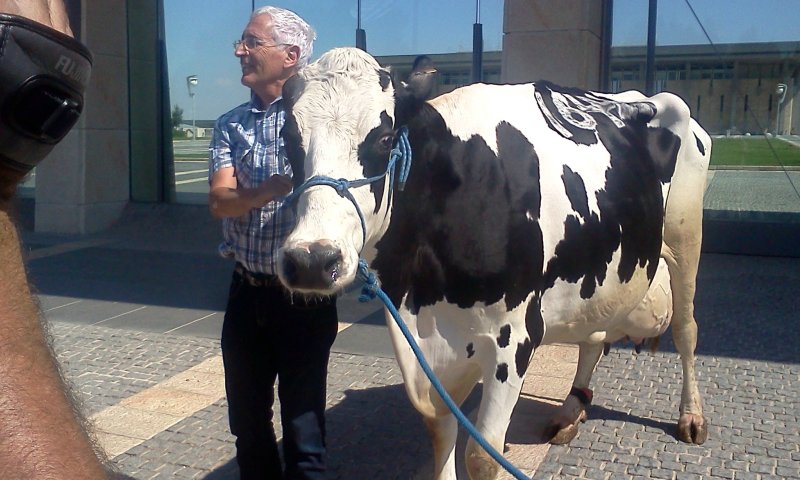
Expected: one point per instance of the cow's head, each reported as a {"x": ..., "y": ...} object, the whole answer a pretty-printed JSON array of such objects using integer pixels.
[{"x": 340, "y": 123}]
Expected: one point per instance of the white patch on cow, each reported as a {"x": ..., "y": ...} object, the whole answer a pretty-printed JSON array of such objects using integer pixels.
[
  {"x": 492, "y": 104},
  {"x": 572, "y": 319},
  {"x": 443, "y": 332}
]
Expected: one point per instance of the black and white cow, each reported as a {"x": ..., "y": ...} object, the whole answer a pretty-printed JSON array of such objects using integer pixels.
[{"x": 533, "y": 214}]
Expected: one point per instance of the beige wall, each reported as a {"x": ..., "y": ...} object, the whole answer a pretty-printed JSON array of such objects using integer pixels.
[
  {"x": 82, "y": 186},
  {"x": 557, "y": 41}
]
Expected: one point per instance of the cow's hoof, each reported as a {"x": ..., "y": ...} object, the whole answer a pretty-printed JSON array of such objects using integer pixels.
[
  {"x": 482, "y": 468},
  {"x": 561, "y": 432},
  {"x": 692, "y": 429}
]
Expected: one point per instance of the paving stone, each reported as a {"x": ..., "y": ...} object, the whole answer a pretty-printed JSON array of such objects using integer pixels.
[{"x": 747, "y": 372}]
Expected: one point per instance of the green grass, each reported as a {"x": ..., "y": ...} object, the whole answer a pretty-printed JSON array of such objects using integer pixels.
[{"x": 754, "y": 152}]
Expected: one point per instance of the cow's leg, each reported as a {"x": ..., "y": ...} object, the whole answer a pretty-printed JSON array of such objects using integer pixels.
[
  {"x": 497, "y": 403},
  {"x": 443, "y": 426},
  {"x": 692, "y": 426},
  {"x": 564, "y": 426},
  {"x": 682, "y": 240},
  {"x": 457, "y": 373}
]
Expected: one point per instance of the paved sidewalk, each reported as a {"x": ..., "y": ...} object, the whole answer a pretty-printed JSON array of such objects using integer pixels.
[{"x": 136, "y": 312}]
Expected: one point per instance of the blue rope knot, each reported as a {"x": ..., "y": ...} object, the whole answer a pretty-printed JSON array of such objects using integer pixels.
[
  {"x": 371, "y": 285},
  {"x": 341, "y": 186}
]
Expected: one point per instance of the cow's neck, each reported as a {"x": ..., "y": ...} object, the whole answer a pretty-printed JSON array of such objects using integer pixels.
[{"x": 448, "y": 234}]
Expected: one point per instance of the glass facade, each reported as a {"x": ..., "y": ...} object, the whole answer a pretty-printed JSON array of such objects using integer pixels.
[{"x": 737, "y": 69}]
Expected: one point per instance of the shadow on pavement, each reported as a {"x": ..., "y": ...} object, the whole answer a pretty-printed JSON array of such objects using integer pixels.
[
  {"x": 172, "y": 279},
  {"x": 372, "y": 433},
  {"x": 746, "y": 307},
  {"x": 600, "y": 413}
]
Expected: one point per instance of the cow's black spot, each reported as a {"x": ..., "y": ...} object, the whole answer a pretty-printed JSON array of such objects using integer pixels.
[
  {"x": 663, "y": 146},
  {"x": 384, "y": 78},
  {"x": 700, "y": 145},
  {"x": 465, "y": 229},
  {"x": 502, "y": 372},
  {"x": 373, "y": 154},
  {"x": 523, "y": 356},
  {"x": 505, "y": 336},
  {"x": 631, "y": 204},
  {"x": 295, "y": 153},
  {"x": 534, "y": 323},
  {"x": 576, "y": 192},
  {"x": 584, "y": 253},
  {"x": 554, "y": 117},
  {"x": 470, "y": 350},
  {"x": 294, "y": 149}
]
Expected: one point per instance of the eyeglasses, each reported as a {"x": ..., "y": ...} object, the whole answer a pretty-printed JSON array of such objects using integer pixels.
[{"x": 251, "y": 43}]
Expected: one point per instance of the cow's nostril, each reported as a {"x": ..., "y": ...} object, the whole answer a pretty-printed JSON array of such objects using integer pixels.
[
  {"x": 333, "y": 268},
  {"x": 317, "y": 267}
]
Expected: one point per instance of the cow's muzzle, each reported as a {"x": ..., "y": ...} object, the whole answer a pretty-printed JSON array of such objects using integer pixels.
[{"x": 313, "y": 268}]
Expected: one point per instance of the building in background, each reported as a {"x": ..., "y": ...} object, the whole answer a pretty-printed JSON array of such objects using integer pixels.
[{"x": 730, "y": 88}]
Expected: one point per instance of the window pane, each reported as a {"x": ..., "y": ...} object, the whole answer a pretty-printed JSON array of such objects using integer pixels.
[{"x": 729, "y": 65}]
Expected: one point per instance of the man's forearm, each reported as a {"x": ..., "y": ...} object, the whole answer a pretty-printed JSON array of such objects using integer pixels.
[
  {"x": 225, "y": 202},
  {"x": 40, "y": 434}
]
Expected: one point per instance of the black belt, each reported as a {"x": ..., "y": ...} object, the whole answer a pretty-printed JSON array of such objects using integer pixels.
[{"x": 257, "y": 279}]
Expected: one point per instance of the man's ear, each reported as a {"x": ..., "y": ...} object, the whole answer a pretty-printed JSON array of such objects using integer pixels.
[{"x": 292, "y": 56}]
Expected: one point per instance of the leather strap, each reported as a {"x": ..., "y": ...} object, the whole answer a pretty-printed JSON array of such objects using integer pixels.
[{"x": 584, "y": 395}]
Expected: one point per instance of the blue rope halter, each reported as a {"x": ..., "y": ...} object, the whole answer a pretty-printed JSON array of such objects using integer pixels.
[
  {"x": 401, "y": 152},
  {"x": 371, "y": 289}
]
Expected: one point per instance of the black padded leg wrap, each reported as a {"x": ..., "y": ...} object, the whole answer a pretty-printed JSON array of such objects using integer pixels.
[{"x": 584, "y": 395}]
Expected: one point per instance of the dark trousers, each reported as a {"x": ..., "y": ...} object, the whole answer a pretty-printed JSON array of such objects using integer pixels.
[{"x": 268, "y": 334}]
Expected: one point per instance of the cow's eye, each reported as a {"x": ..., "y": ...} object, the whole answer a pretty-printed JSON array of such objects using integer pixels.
[{"x": 386, "y": 141}]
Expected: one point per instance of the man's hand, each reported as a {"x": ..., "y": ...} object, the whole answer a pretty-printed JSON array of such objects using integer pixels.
[
  {"x": 226, "y": 199},
  {"x": 51, "y": 13},
  {"x": 274, "y": 187}
]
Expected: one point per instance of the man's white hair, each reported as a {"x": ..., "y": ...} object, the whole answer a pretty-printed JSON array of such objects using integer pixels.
[{"x": 289, "y": 28}]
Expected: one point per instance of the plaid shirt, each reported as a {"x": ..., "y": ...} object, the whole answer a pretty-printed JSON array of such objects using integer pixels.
[{"x": 248, "y": 139}]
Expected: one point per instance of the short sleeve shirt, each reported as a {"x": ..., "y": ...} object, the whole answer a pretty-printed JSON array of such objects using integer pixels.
[{"x": 248, "y": 139}]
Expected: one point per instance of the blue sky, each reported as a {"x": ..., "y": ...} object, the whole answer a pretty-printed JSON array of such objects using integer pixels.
[{"x": 200, "y": 33}]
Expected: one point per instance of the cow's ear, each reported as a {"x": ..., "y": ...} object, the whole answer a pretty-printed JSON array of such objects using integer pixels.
[
  {"x": 422, "y": 83},
  {"x": 408, "y": 101},
  {"x": 292, "y": 89}
]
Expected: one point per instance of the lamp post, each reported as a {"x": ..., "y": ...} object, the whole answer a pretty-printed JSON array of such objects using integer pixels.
[
  {"x": 361, "y": 34},
  {"x": 781, "y": 92},
  {"x": 191, "y": 82},
  {"x": 477, "y": 45}
]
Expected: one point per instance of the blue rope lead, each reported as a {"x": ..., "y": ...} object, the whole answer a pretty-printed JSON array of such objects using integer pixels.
[
  {"x": 370, "y": 290},
  {"x": 400, "y": 153}
]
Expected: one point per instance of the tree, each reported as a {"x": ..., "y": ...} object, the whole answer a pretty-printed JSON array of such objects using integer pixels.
[{"x": 177, "y": 116}]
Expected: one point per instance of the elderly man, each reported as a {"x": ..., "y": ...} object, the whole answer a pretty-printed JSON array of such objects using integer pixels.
[{"x": 266, "y": 333}]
